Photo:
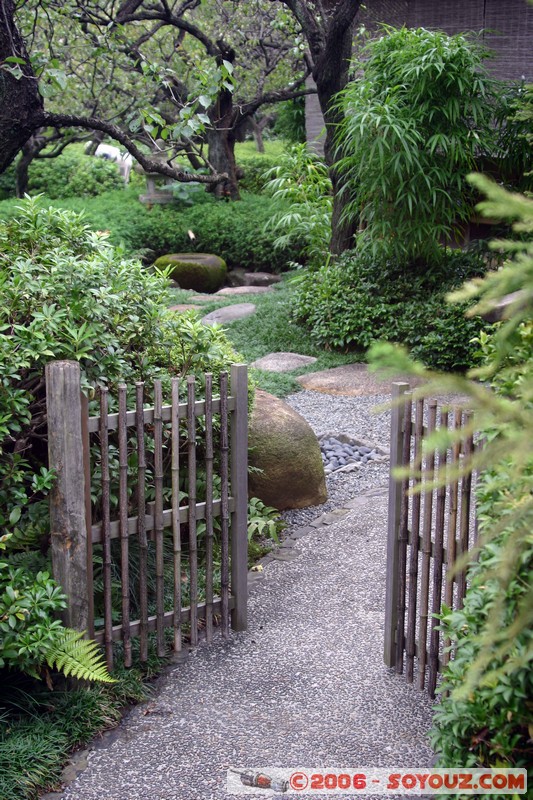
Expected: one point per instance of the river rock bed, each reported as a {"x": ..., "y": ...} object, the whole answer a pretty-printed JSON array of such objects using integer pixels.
[{"x": 343, "y": 452}]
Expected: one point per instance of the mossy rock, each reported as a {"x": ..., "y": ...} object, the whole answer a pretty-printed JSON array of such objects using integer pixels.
[
  {"x": 201, "y": 272},
  {"x": 284, "y": 447}
]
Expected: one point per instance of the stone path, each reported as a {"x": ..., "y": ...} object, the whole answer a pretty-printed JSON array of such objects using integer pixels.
[
  {"x": 304, "y": 686},
  {"x": 229, "y": 313},
  {"x": 282, "y": 362}
]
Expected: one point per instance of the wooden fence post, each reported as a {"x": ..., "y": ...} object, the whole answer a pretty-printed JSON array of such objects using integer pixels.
[
  {"x": 68, "y": 523},
  {"x": 395, "y": 501},
  {"x": 239, "y": 490}
]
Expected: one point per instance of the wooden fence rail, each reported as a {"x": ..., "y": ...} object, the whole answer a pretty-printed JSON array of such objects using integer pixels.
[
  {"x": 429, "y": 528},
  {"x": 116, "y": 509}
]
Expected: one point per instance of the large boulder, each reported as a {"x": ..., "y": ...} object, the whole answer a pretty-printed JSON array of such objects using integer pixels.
[
  {"x": 284, "y": 446},
  {"x": 201, "y": 272}
]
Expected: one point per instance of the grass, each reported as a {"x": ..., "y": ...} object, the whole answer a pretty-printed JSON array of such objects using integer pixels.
[
  {"x": 39, "y": 727},
  {"x": 273, "y": 148},
  {"x": 272, "y": 329}
]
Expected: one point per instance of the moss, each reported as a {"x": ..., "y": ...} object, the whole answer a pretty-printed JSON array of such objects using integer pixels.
[{"x": 201, "y": 272}]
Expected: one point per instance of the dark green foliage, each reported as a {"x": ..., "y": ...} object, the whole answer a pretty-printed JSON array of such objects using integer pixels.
[
  {"x": 39, "y": 726},
  {"x": 73, "y": 174},
  {"x": 290, "y": 120},
  {"x": 237, "y": 233},
  {"x": 233, "y": 231},
  {"x": 8, "y": 183},
  {"x": 254, "y": 168},
  {"x": 68, "y": 294},
  {"x": 356, "y": 301}
]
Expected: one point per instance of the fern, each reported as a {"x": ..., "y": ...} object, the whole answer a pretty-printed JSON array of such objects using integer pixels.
[{"x": 79, "y": 657}]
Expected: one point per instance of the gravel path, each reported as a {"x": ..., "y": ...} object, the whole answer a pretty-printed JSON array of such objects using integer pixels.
[{"x": 305, "y": 685}]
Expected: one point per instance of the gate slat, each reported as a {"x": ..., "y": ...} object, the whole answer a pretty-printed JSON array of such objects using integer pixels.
[
  {"x": 176, "y": 528},
  {"x": 193, "y": 540},
  {"x": 464, "y": 521},
  {"x": 106, "y": 540},
  {"x": 403, "y": 535},
  {"x": 123, "y": 522},
  {"x": 224, "y": 478},
  {"x": 209, "y": 506},
  {"x": 141, "y": 522},
  {"x": 426, "y": 551},
  {"x": 410, "y": 646},
  {"x": 437, "y": 566},
  {"x": 158, "y": 513}
]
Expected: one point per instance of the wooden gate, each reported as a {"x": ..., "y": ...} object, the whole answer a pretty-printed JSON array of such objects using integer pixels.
[
  {"x": 120, "y": 528},
  {"x": 428, "y": 529}
]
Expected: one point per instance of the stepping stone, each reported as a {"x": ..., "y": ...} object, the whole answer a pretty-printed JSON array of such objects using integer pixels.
[
  {"x": 183, "y": 307},
  {"x": 260, "y": 278},
  {"x": 282, "y": 362},
  {"x": 229, "y": 313},
  {"x": 352, "y": 380},
  {"x": 230, "y": 291},
  {"x": 202, "y": 298}
]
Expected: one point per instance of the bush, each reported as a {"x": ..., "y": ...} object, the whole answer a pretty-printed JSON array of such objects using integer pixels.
[
  {"x": 254, "y": 168},
  {"x": 73, "y": 174},
  {"x": 356, "y": 300},
  {"x": 414, "y": 125},
  {"x": 69, "y": 295},
  {"x": 234, "y": 231}
]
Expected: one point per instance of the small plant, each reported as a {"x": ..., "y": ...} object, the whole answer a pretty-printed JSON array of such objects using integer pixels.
[
  {"x": 31, "y": 636},
  {"x": 263, "y": 521},
  {"x": 302, "y": 181}
]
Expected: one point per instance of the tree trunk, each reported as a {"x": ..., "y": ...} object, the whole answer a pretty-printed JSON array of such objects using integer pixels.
[
  {"x": 20, "y": 102},
  {"x": 330, "y": 43},
  {"x": 329, "y": 82},
  {"x": 258, "y": 136},
  {"x": 221, "y": 146},
  {"x": 31, "y": 149}
]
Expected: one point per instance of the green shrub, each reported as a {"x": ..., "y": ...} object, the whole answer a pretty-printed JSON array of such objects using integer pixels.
[
  {"x": 254, "y": 168},
  {"x": 69, "y": 295},
  {"x": 234, "y": 231},
  {"x": 414, "y": 125},
  {"x": 355, "y": 301},
  {"x": 73, "y": 174},
  {"x": 290, "y": 120}
]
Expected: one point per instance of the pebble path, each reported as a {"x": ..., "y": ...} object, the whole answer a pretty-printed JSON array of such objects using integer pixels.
[{"x": 304, "y": 686}]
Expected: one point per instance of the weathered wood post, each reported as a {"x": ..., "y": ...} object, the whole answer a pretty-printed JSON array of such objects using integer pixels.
[
  {"x": 395, "y": 502},
  {"x": 68, "y": 521},
  {"x": 239, "y": 490}
]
